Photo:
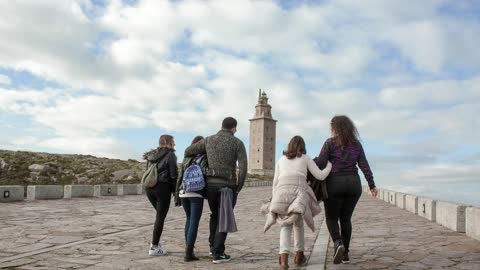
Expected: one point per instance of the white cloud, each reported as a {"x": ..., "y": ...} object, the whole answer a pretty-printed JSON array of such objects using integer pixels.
[
  {"x": 184, "y": 65},
  {"x": 444, "y": 172},
  {"x": 4, "y": 79}
]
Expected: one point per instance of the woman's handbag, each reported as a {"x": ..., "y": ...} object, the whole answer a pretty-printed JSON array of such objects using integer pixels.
[{"x": 318, "y": 187}]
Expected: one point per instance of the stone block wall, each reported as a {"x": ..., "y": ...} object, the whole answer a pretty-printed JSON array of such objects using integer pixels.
[
  {"x": 105, "y": 190},
  {"x": 45, "y": 192},
  {"x": 132, "y": 189},
  {"x": 392, "y": 198},
  {"x": 472, "y": 222},
  {"x": 411, "y": 203},
  {"x": 451, "y": 215},
  {"x": 11, "y": 193},
  {"x": 427, "y": 208},
  {"x": 400, "y": 200},
  {"x": 74, "y": 191}
]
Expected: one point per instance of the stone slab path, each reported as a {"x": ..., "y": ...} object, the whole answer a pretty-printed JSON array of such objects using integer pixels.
[
  {"x": 114, "y": 233},
  {"x": 387, "y": 237}
]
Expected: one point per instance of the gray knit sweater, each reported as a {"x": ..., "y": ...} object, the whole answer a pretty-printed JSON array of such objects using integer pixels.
[{"x": 223, "y": 151}]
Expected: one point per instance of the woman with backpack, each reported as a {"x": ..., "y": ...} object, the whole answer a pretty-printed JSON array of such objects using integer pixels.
[
  {"x": 293, "y": 201},
  {"x": 160, "y": 194},
  {"x": 344, "y": 188},
  {"x": 190, "y": 193}
]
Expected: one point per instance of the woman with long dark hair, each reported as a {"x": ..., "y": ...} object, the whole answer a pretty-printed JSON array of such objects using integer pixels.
[
  {"x": 192, "y": 202},
  {"x": 344, "y": 187},
  {"x": 293, "y": 201},
  {"x": 160, "y": 195}
]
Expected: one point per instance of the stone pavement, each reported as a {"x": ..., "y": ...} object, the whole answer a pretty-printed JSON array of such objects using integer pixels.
[
  {"x": 388, "y": 237},
  {"x": 114, "y": 233}
]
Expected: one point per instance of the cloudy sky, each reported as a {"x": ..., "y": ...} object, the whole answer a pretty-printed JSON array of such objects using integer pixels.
[{"x": 108, "y": 77}]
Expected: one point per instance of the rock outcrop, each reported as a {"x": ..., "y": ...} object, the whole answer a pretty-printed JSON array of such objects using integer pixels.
[{"x": 31, "y": 168}]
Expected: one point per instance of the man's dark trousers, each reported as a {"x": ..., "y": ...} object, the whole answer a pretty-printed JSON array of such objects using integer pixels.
[{"x": 216, "y": 238}]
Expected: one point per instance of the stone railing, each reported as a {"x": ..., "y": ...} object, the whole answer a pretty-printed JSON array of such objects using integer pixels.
[
  {"x": 55, "y": 192},
  {"x": 457, "y": 217}
]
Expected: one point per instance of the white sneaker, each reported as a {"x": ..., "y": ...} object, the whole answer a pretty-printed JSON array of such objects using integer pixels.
[{"x": 157, "y": 251}]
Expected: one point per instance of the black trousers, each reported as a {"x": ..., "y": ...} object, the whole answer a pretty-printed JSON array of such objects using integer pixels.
[
  {"x": 343, "y": 194},
  {"x": 217, "y": 239},
  {"x": 159, "y": 196}
]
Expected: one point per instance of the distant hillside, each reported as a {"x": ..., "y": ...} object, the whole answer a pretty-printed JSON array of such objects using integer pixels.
[{"x": 30, "y": 168}]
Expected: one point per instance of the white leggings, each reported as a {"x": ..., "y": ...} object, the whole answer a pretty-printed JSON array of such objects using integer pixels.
[{"x": 298, "y": 237}]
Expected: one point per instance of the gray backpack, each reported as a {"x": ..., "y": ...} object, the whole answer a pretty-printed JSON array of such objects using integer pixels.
[{"x": 150, "y": 176}]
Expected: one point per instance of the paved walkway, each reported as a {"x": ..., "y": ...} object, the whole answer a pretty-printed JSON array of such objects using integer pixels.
[
  {"x": 114, "y": 233},
  {"x": 387, "y": 237}
]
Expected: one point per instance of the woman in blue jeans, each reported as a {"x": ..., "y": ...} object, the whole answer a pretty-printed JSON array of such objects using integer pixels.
[{"x": 192, "y": 203}]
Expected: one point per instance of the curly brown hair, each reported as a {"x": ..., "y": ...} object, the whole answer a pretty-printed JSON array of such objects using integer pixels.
[
  {"x": 344, "y": 130},
  {"x": 296, "y": 148}
]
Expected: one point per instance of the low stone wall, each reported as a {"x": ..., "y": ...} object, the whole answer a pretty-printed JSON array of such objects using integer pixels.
[
  {"x": 11, "y": 193},
  {"x": 451, "y": 215},
  {"x": 380, "y": 193},
  {"x": 386, "y": 198},
  {"x": 74, "y": 191},
  {"x": 105, "y": 190},
  {"x": 52, "y": 192},
  {"x": 472, "y": 222},
  {"x": 411, "y": 203},
  {"x": 392, "y": 197},
  {"x": 427, "y": 208},
  {"x": 45, "y": 192},
  {"x": 131, "y": 189},
  {"x": 457, "y": 217},
  {"x": 264, "y": 183},
  {"x": 400, "y": 200}
]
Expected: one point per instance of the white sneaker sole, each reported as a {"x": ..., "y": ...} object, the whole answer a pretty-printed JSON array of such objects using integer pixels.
[
  {"x": 221, "y": 261},
  {"x": 158, "y": 254}
]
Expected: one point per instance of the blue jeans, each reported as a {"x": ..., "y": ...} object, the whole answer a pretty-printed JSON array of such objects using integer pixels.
[{"x": 193, "y": 209}]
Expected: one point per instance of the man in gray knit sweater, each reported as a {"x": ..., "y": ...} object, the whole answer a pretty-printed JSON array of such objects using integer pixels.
[{"x": 223, "y": 151}]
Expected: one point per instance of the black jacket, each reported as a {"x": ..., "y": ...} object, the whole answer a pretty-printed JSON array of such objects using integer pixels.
[
  {"x": 318, "y": 187},
  {"x": 166, "y": 166}
]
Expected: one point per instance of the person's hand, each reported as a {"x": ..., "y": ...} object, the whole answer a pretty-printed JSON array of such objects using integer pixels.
[
  {"x": 374, "y": 192},
  {"x": 177, "y": 201}
]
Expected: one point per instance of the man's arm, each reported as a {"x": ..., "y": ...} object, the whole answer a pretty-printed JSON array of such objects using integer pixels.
[
  {"x": 242, "y": 165},
  {"x": 196, "y": 149}
]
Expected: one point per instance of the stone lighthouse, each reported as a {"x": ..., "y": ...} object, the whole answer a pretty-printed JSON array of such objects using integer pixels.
[{"x": 262, "y": 138}]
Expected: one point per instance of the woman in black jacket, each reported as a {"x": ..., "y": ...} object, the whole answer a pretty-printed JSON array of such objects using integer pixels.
[{"x": 160, "y": 194}]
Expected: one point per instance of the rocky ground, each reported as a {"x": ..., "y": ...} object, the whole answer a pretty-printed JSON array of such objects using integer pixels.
[{"x": 30, "y": 168}]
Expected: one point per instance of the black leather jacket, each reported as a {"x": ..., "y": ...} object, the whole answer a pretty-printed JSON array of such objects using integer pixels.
[{"x": 166, "y": 166}]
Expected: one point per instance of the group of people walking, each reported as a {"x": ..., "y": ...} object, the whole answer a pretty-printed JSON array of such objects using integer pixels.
[
  {"x": 217, "y": 157},
  {"x": 293, "y": 201}
]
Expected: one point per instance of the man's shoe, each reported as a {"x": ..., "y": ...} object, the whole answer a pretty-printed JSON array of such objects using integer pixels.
[
  {"x": 338, "y": 254},
  {"x": 210, "y": 254},
  {"x": 345, "y": 258},
  {"x": 191, "y": 258},
  {"x": 222, "y": 258}
]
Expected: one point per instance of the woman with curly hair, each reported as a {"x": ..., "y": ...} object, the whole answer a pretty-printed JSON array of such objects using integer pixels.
[{"x": 344, "y": 188}]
